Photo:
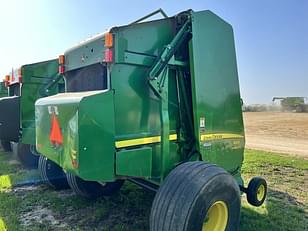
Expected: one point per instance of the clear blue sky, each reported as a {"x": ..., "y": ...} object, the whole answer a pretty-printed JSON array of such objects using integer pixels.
[{"x": 271, "y": 36}]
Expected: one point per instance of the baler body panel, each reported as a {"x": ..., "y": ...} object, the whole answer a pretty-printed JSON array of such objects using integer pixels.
[
  {"x": 3, "y": 90},
  {"x": 136, "y": 47},
  {"x": 86, "y": 121},
  {"x": 217, "y": 111},
  {"x": 87, "y": 53},
  {"x": 34, "y": 78}
]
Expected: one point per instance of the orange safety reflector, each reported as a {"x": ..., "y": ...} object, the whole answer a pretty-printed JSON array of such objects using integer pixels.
[
  {"x": 6, "y": 80},
  {"x": 61, "y": 59},
  {"x": 55, "y": 132},
  {"x": 108, "y": 40}
]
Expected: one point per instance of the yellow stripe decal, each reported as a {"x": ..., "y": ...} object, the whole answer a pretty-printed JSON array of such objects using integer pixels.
[
  {"x": 220, "y": 136},
  {"x": 141, "y": 141}
]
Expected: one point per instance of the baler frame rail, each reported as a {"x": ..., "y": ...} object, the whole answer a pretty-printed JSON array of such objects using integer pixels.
[
  {"x": 160, "y": 10},
  {"x": 158, "y": 79},
  {"x": 52, "y": 83}
]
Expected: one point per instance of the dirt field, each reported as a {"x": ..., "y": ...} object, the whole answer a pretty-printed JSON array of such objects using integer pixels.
[{"x": 277, "y": 132}]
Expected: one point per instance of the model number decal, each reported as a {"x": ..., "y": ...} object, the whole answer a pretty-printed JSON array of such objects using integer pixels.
[{"x": 220, "y": 136}]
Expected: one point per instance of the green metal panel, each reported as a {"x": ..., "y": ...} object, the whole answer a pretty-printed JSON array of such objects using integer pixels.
[
  {"x": 34, "y": 78},
  {"x": 137, "y": 108},
  {"x": 66, "y": 110},
  {"x": 174, "y": 158},
  {"x": 215, "y": 89},
  {"x": 141, "y": 43},
  {"x": 3, "y": 90},
  {"x": 96, "y": 137},
  {"x": 85, "y": 54},
  {"x": 87, "y": 124},
  {"x": 134, "y": 162}
]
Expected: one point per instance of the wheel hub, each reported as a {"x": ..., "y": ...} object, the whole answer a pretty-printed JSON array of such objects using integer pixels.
[
  {"x": 216, "y": 218},
  {"x": 260, "y": 192}
]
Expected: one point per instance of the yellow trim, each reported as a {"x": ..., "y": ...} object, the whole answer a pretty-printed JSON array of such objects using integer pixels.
[
  {"x": 220, "y": 136},
  {"x": 260, "y": 192},
  {"x": 156, "y": 139},
  {"x": 216, "y": 218},
  {"x": 141, "y": 141}
]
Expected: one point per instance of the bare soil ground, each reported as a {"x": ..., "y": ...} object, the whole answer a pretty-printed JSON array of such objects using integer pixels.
[{"x": 282, "y": 132}]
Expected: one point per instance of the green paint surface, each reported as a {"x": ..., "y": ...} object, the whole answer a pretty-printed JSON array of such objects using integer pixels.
[
  {"x": 35, "y": 78},
  {"x": 216, "y": 94},
  {"x": 3, "y": 90}
]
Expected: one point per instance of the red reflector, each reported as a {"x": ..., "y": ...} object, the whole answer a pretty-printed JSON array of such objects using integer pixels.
[
  {"x": 108, "y": 56},
  {"x": 75, "y": 164},
  {"x": 61, "y": 69},
  {"x": 55, "y": 132},
  {"x": 13, "y": 76},
  {"x": 19, "y": 75},
  {"x": 39, "y": 145}
]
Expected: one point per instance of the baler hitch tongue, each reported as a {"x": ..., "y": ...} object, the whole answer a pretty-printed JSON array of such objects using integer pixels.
[{"x": 256, "y": 191}]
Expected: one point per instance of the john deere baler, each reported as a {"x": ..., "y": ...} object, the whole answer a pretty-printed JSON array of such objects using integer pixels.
[
  {"x": 156, "y": 103},
  {"x": 17, "y": 117}
]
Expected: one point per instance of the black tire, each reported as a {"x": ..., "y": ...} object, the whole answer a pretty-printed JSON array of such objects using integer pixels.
[
  {"x": 52, "y": 173},
  {"x": 256, "y": 191},
  {"x": 27, "y": 155},
  {"x": 92, "y": 189},
  {"x": 6, "y": 146},
  {"x": 184, "y": 199}
]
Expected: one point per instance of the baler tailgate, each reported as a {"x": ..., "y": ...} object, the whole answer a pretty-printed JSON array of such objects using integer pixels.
[{"x": 215, "y": 91}]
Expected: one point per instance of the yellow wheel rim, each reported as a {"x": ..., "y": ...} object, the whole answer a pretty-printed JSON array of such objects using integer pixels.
[
  {"x": 260, "y": 192},
  {"x": 216, "y": 218}
]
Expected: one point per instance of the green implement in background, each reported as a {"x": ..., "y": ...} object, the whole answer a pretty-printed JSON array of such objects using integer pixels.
[
  {"x": 3, "y": 90},
  {"x": 25, "y": 86}
]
